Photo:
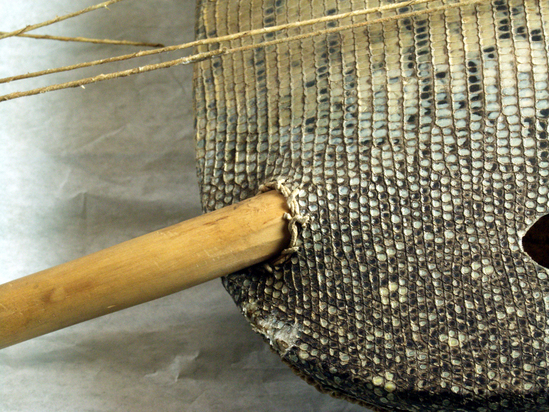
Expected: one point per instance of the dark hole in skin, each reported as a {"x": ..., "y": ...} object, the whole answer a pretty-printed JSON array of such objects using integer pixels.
[{"x": 536, "y": 241}]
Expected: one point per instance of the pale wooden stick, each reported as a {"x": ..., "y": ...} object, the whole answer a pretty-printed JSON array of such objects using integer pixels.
[
  {"x": 144, "y": 268},
  {"x": 222, "y": 51},
  {"x": 88, "y": 40},
  {"x": 57, "y": 19}
]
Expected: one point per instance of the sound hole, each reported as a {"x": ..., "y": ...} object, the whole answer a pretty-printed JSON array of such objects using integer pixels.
[{"x": 536, "y": 241}]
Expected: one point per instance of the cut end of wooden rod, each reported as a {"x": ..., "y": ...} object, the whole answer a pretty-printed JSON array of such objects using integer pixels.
[{"x": 149, "y": 267}]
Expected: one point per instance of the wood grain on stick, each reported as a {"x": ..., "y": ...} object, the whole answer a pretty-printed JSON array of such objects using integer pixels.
[{"x": 145, "y": 268}]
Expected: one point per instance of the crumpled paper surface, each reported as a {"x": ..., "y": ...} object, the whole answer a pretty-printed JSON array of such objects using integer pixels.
[{"x": 83, "y": 169}]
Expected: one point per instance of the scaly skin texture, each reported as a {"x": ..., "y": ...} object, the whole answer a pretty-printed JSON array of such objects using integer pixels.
[{"x": 421, "y": 149}]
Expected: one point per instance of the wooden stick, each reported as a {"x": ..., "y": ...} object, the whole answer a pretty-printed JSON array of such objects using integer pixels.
[{"x": 145, "y": 268}]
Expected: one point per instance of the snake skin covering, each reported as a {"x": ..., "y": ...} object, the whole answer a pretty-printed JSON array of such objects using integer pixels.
[{"x": 420, "y": 148}]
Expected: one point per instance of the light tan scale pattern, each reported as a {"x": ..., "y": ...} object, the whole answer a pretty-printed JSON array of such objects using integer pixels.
[{"x": 421, "y": 149}]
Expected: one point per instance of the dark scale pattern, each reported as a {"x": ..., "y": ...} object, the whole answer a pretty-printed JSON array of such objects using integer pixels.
[{"x": 421, "y": 149}]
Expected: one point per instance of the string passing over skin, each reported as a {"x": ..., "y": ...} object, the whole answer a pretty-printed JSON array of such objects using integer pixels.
[
  {"x": 220, "y": 39},
  {"x": 294, "y": 218},
  {"x": 225, "y": 50}
]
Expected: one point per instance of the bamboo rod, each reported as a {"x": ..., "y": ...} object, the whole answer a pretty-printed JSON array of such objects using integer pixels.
[{"x": 145, "y": 268}]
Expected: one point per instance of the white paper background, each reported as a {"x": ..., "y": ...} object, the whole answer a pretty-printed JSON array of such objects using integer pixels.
[{"x": 83, "y": 169}]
